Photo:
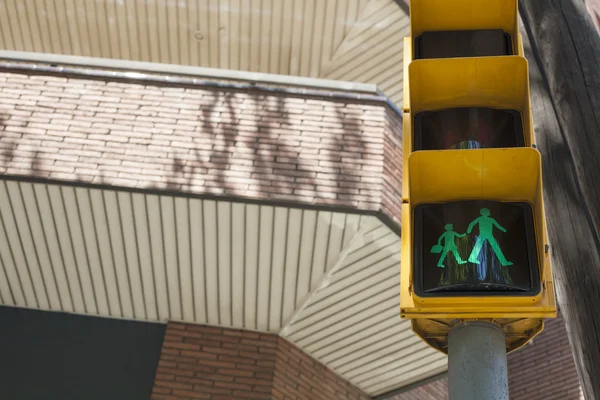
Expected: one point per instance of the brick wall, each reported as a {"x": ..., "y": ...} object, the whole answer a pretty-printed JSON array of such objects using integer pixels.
[
  {"x": 251, "y": 144},
  {"x": 541, "y": 370},
  {"x": 545, "y": 369},
  {"x": 202, "y": 362},
  {"x": 300, "y": 377}
]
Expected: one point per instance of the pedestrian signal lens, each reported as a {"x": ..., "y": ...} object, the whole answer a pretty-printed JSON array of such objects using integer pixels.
[
  {"x": 467, "y": 128},
  {"x": 475, "y": 247},
  {"x": 476, "y": 43}
]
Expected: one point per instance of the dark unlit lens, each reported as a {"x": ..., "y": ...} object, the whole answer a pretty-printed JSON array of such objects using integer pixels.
[
  {"x": 476, "y": 43},
  {"x": 467, "y": 128}
]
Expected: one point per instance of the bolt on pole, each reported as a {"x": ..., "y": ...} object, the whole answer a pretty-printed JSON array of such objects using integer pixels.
[{"x": 477, "y": 367}]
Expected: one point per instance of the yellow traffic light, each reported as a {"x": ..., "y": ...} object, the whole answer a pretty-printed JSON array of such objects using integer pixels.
[
  {"x": 507, "y": 183},
  {"x": 473, "y": 229}
]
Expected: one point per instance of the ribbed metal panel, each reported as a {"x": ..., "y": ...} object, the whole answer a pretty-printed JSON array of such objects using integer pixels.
[
  {"x": 355, "y": 40},
  {"x": 291, "y": 36},
  {"x": 158, "y": 257},
  {"x": 351, "y": 322},
  {"x": 372, "y": 51}
]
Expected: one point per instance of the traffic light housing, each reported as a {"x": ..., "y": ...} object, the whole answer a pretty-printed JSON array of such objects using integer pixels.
[{"x": 473, "y": 230}]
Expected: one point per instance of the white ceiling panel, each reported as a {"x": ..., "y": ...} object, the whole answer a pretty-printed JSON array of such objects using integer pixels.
[
  {"x": 378, "y": 346},
  {"x": 252, "y": 229},
  {"x": 211, "y": 281},
  {"x": 123, "y": 223},
  {"x": 74, "y": 232},
  {"x": 238, "y": 270},
  {"x": 164, "y": 298},
  {"x": 351, "y": 40},
  {"x": 278, "y": 250},
  {"x": 137, "y": 202},
  {"x": 289, "y": 287},
  {"x": 223, "y": 265},
  {"x": 45, "y": 289}
]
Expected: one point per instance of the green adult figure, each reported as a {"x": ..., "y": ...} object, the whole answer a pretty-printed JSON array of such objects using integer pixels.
[
  {"x": 449, "y": 245},
  {"x": 486, "y": 226}
]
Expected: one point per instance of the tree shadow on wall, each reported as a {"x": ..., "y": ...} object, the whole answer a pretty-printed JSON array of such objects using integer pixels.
[
  {"x": 11, "y": 152},
  {"x": 246, "y": 143},
  {"x": 248, "y": 146}
]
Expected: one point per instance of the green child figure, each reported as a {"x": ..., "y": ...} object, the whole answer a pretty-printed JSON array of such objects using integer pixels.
[
  {"x": 449, "y": 245},
  {"x": 486, "y": 226}
]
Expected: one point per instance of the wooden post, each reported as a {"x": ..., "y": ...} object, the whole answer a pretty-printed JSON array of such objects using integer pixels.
[{"x": 563, "y": 49}]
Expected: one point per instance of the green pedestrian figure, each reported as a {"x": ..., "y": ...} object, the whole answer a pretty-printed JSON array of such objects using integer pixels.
[
  {"x": 486, "y": 226},
  {"x": 449, "y": 245}
]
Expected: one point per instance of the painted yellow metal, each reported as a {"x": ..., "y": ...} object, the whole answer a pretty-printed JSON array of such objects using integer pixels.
[
  {"x": 406, "y": 86},
  {"x": 496, "y": 82},
  {"x": 451, "y": 15},
  {"x": 521, "y": 50},
  {"x": 512, "y": 174},
  {"x": 505, "y": 174},
  {"x": 406, "y": 150},
  {"x": 478, "y": 307},
  {"x": 406, "y": 257},
  {"x": 518, "y": 331}
]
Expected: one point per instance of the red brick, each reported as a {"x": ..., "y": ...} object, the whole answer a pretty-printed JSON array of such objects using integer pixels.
[
  {"x": 248, "y": 380},
  {"x": 196, "y": 381},
  {"x": 174, "y": 385},
  {"x": 199, "y": 354},
  {"x": 233, "y": 385},
  {"x": 183, "y": 346},
  {"x": 251, "y": 395},
  {"x": 175, "y": 371},
  {"x": 190, "y": 394},
  {"x": 212, "y": 390},
  {"x": 235, "y": 372},
  {"x": 543, "y": 369}
]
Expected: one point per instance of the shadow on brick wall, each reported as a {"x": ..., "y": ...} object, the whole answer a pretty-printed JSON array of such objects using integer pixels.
[
  {"x": 215, "y": 141},
  {"x": 276, "y": 163},
  {"x": 11, "y": 154}
]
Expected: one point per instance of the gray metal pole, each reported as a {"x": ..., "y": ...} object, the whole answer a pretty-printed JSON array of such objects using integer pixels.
[{"x": 477, "y": 362}]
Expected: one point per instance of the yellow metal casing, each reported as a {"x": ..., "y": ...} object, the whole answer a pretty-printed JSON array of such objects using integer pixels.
[
  {"x": 521, "y": 52},
  {"x": 405, "y": 85},
  {"x": 452, "y": 15},
  {"x": 504, "y": 174},
  {"x": 496, "y": 82},
  {"x": 451, "y": 175},
  {"x": 406, "y": 267},
  {"x": 518, "y": 331},
  {"x": 406, "y": 150}
]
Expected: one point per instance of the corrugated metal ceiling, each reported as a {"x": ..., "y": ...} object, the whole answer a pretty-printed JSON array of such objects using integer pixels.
[
  {"x": 130, "y": 255},
  {"x": 327, "y": 281},
  {"x": 352, "y": 325},
  {"x": 351, "y": 40}
]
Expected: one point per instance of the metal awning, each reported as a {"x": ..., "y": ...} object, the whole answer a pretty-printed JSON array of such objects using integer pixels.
[{"x": 325, "y": 280}]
